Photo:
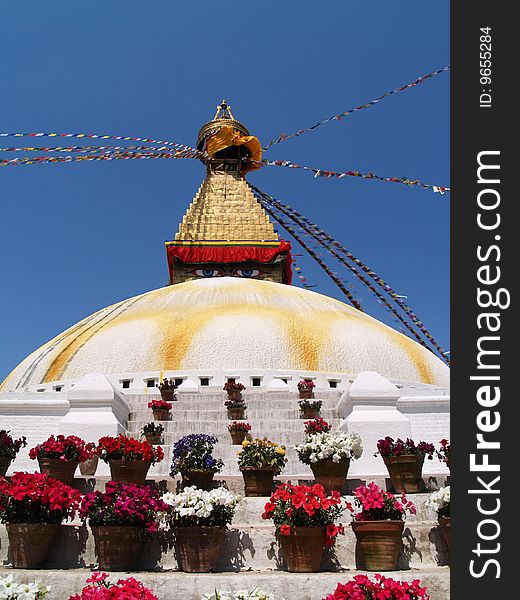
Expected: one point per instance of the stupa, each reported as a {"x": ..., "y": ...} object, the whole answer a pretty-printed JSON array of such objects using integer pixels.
[{"x": 231, "y": 313}]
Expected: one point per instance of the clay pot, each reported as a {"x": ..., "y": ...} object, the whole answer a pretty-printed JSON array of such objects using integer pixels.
[
  {"x": 161, "y": 414},
  {"x": 237, "y": 437},
  {"x": 379, "y": 543},
  {"x": 117, "y": 547},
  {"x": 303, "y": 548},
  {"x": 258, "y": 481},
  {"x": 234, "y": 395},
  {"x": 167, "y": 395},
  {"x": 88, "y": 468},
  {"x": 197, "y": 549},
  {"x": 63, "y": 470},
  {"x": 445, "y": 527},
  {"x": 406, "y": 472},
  {"x": 306, "y": 412},
  {"x": 153, "y": 439},
  {"x": 129, "y": 471},
  {"x": 4, "y": 465},
  {"x": 30, "y": 543},
  {"x": 332, "y": 476},
  {"x": 235, "y": 414},
  {"x": 306, "y": 393},
  {"x": 200, "y": 478}
]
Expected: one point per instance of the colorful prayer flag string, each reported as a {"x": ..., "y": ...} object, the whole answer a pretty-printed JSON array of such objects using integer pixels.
[
  {"x": 339, "y": 175},
  {"x": 333, "y": 246},
  {"x": 283, "y": 137},
  {"x": 95, "y": 136}
]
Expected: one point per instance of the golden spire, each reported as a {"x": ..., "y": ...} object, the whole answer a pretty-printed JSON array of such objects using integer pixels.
[{"x": 224, "y": 207}]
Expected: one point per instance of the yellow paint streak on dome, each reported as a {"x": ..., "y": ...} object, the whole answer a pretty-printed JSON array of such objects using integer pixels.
[{"x": 416, "y": 354}]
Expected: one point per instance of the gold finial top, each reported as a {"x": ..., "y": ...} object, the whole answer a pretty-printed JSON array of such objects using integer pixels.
[{"x": 222, "y": 117}]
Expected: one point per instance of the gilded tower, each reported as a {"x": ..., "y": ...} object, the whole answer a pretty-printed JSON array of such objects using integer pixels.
[{"x": 225, "y": 231}]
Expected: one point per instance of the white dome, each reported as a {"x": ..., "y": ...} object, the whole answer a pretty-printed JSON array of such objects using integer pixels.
[{"x": 228, "y": 323}]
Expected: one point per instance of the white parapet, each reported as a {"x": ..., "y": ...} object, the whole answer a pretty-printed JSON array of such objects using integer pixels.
[{"x": 370, "y": 409}]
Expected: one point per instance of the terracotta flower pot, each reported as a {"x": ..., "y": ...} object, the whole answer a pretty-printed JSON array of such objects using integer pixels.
[
  {"x": 117, "y": 547},
  {"x": 88, "y": 468},
  {"x": 305, "y": 393},
  {"x": 332, "y": 476},
  {"x": 379, "y": 543},
  {"x": 59, "y": 469},
  {"x": 306, "y": 412},
  {"x": 129, "y": 471},
  {"x": 153, "y": 439},
  {"x": 30, "y": 543},
  {"x": 237, "y": 437},
  {"x": 258, "y": 481},
  {"x": 167, "y": 395},
  {"x": 200, "y": 478},
  {"x": 406, "y": 472},
  {"x": 235, "y": 414},
  {"x": 234, "y": 395},
  {"x": 445, "y": 526},
  {"x": 303, "y": 548},
  {"x": 161, "y": 414},
  {"x": 5, "y": 463},
  {"x": 197, "y": 549}
]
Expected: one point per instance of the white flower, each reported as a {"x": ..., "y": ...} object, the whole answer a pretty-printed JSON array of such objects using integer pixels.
[
  {"x": 254, "y": 594},
  {"x": 439, "y": 499},
  {"x": 337, "y": 446}
]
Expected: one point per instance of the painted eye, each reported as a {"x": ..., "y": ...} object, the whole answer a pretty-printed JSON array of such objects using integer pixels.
[
  {"x": 247, "y": 272},
  {"x": 207, "y": 272}
]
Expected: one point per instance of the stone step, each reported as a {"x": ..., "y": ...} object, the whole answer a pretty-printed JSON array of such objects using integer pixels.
[
  {"x": 235, "y": 484},
  {"x": 287, "y": 438},
  {"x": 217, "y": 394},
  {"x": 193, "y": 415},
  {"x": 219, "y": 427},
  {"x": 190, "y": 586},
  {"x": 217, "y": 403},
  {"x": 246, "y": 547}
]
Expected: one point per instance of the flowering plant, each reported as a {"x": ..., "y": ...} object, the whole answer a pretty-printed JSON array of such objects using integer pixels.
[
  {"x": 305, "y": 385},
  {"x": 239, "y": 426},
  {"x": 125, "y": 448},
  {"x": 194, "y": 507},
  {"x": 232, "y": 386},
  {"x": 254, "y": 594},
  {"x": 443, "y": 453},
  {"x": 374, "y": 504},
  {"x": 10, "y": 447},
  {"x": 390, "y": 447},
  {"x": 330, "y": 446},
  {"x": 235, "y": 403},
  {"x": 167, "y": 384},
  {"x": 123, "y": 504},
  {"x": 70, "y": 448},
  {"x": 360, "y": 587},
  {"x": 439, "y": 501},
  {"x": 152, "y": 429},
  {"x": 160, "y": 404},
  {"x": 101, "y": 589},
  {"x": 312, "y": 404},
  {"x": 262, "y": 453},
  {"x": 11, "y": 590},
  {"x": 304, "y": 506},
  {"x": 36, "y": 498},
  {"x": 318, "y": 425},
  {"x": 194, "y": 451}
]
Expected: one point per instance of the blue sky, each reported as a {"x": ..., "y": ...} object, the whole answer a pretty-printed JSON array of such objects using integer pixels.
[{"x": 77, "y": 237}]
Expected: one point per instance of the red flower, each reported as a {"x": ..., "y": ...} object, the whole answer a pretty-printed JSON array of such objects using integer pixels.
[
  {"x": 64, "y": 448},
  {"x": 285, "y": 529},
  {"x": 155, "y": 404},
  {"x": 127, "y": 448}
]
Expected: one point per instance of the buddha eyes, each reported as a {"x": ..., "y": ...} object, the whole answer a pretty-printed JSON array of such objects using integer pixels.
[
  {"x": 207, "y": 272},
  {"x": 246, "y": 272}
]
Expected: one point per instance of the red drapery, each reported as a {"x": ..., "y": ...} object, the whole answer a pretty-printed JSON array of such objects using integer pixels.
[{"x": 227, "y": 252}]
